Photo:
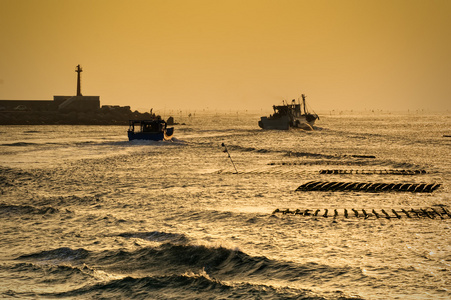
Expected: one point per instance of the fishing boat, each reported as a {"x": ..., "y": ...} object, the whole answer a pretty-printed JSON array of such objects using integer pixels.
[
  {"x": 289, "y": 115},
  {"x": 154, "y": 130}
]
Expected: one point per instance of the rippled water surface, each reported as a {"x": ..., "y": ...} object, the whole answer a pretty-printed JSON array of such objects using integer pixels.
[{"x": 87, "y": 214}]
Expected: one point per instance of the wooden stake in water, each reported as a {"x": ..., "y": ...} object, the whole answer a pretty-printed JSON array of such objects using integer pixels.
[{"x": 225, "y": 147}]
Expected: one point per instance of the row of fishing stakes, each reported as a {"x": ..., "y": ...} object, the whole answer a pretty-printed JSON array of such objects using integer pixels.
[
  {"x": 227, "y": 151},
  {"x": 429, "y": 212},
  {"x": 385, "y": 171},
  {"x": 334, "y": 186}
]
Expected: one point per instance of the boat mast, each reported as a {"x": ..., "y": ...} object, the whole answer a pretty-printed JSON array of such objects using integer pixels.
[{"x": 303, "y": 102}]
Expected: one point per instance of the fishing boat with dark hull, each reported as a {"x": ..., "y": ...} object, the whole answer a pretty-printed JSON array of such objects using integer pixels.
[
  {"x": 154, "y": 130},
  {"x": 289, "y": 115}
]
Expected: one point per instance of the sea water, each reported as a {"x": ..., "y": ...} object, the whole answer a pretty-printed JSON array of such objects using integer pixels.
[{"x": 84, "y": 213}]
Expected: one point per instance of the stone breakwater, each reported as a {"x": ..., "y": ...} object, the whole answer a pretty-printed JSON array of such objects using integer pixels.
[{"x": 100, "y": 117}]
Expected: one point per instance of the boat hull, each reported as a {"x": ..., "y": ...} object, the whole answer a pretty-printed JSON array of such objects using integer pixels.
[
  {"x": 284, "y": 122},
  {"x": 151, "y": 136}
]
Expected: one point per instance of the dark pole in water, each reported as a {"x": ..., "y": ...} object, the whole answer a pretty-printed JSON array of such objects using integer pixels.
[{"x": 223, "y": 145}]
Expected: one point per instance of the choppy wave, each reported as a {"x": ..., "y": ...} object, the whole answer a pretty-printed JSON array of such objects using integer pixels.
[
  {"x": 350, "y": 162},
  {"x": 182, "y": 270},
  {"x": 61, "y": 273},
  {"x": 31, "y": 131},
  {"x": 350, "y": 159},
  {"x": 220, "y": 262},
  {"x": 157, "y": 236},
  {"x": 26, "y": 209},
  {"x": 300, "y": 154},
  {"x": 190, "y": 286},
  {"x": 28, "y": 144},
  {"x": 88, "y": 214},
  {"x": 60, "y": 254},
  {"x": 18, "y": 144},
  {"x": 65, "y": 201}
]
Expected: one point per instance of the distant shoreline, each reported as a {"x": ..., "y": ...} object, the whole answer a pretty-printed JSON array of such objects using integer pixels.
[{"x": 121, "y": 118}]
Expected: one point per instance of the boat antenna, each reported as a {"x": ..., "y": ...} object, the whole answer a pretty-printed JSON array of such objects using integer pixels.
[{"x": 226, "y": 151}]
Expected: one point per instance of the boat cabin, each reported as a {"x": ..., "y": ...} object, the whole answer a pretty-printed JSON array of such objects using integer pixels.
[{"x": 156, "y": 125}]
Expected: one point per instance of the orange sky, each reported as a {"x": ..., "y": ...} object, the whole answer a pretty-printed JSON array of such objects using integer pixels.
[{"x": 185, "y": 54}]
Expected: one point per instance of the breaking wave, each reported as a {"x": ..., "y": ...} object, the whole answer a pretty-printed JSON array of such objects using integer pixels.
[{"x": 187, "y": 271}]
